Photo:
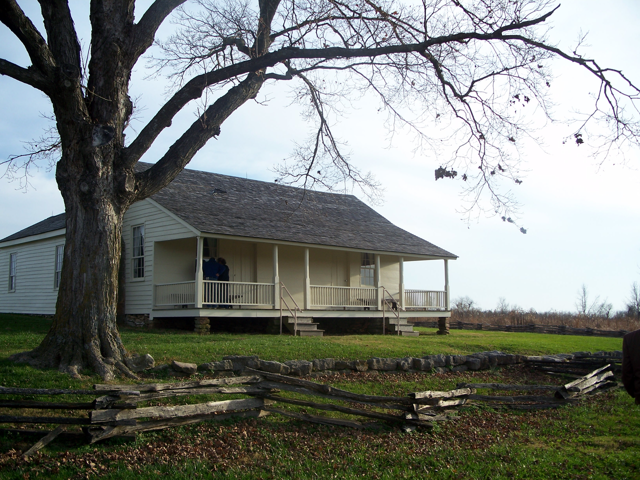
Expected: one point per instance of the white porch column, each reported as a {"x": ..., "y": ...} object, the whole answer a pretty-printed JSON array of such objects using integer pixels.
[
  {"x": 378, "y": 283},
  {"x": 401, "y": 286},
  {"x": 198, "y": 287},
  {"x": 447, "y": 299},
  {"x": 307, "y": 281},
  {"x": 276, "y": 279}
]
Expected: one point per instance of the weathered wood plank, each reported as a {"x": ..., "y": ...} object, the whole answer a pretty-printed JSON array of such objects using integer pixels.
[
  {"x": 441, "y": 394},
  {"x": 517, "y": 398},
  {"x": 44, "y": 441},
  {"x": 317, "y": 419},
  {"x": 585, "y": 377},
  {"x": 47, "y": 405},
  {"x": 502, "y": 386},
  {"x": 51, "y": 391},
  {"x": 351, "y": 411},
  {"x": 156, "y": 387},
  {"x": 97, "y": 434},
  {"x": 47, "y": 420},
  {"x": 304, "y": 391},
  {"x": 329, "y": 390},
  {"x": 577, "y": 387},
  {"x": 111, "y": 415},
  {"x": 251, "y": 390},
  {"x": 427, "y": 404}
]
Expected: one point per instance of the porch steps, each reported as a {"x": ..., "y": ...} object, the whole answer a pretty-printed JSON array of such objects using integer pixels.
[
  {"x": 306, "y": 327},
  {"x": 393, "y": 325}
]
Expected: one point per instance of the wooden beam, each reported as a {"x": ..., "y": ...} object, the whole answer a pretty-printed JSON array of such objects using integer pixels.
[
  {"x": 44, "y": 441},
  {"x": 165, "y": 412}
]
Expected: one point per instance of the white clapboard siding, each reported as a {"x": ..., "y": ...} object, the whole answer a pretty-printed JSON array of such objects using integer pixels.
[
  {"x": 159, "y": 226},
  {"x": 35, "y": 270}
]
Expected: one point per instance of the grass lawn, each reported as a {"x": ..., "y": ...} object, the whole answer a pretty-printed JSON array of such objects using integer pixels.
[{"x": 597, "y": 439}]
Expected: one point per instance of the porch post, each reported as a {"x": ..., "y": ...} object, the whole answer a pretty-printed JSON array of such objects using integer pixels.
[
  {"x": 378, "y": 285},
  {"x": 446, "y": 285},
  {"x": 198, "y": 287},
  {"x": 401, "y": 286},
  {"x": 307, "y": 281},
  {"x": 276, "y": 279}
]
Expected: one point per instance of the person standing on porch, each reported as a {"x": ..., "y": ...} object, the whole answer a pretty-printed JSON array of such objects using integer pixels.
[
  {"x": 223, "y": 276},
  {"x": 631, "y": 364}
]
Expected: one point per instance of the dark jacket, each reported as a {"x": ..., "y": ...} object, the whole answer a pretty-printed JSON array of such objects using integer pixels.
[
  {"x": 631, "y": 364},
  {"x": 224, "y": 273}
]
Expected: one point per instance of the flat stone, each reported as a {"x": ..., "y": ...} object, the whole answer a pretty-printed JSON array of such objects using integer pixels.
[
  {"x": 405, "y": 364},
  {"x": 343, "y": 365},
  {"x": 459, "y": 368},
  {"x": 273, "y": 367},
  {"x": 458, "y": 359},
  {"x": 321, "y": 364},
  {"x": 438, "y": 360},
  {"x": 423, "y": 364},
  {"x": 299, "y": 367},
  {"x": 240, "y": 362},
  {"x": 224, "y": 365},
  {"x": 359, "y": 365},
  {"x": 185, "y": 368},
  {"x": 473, "y": 363},
  {"x": 139, "y": 363},
  {"x": 384, "y": 364},
  {"x": 441, "y": 370}
]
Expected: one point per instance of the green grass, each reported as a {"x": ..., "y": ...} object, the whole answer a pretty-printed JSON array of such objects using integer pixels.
[
  {"x": 597, "y": 439},
  {"x": 19, "y": 333}
]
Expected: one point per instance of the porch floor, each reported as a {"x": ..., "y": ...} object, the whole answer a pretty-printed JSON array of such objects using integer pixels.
[{"x": 271, "y": 313}]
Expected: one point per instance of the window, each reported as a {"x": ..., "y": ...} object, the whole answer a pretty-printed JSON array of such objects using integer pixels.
[
  {"x": 367, "y": 270},
  {"x": 210, "y": 248},
  {"x": 12, "y": 271},
  {"x": 138, "y": 252},
  {"x": 58, "y": 272}
]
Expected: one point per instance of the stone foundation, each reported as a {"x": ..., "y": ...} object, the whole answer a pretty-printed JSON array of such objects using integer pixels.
[
  {"x": 202, "y": 325},
  {"x": 443, "y": 326},
  {"x": 137, "y": 321}
]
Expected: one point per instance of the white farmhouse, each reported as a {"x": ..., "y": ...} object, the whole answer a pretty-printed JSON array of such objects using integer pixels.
[{"x": 316, "y": 257}]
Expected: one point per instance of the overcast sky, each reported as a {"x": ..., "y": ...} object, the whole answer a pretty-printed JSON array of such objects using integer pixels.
[{"x": 582, "y": 219}]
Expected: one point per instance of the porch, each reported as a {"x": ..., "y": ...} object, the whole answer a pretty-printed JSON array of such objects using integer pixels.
[{"x": 269, "y": 279}]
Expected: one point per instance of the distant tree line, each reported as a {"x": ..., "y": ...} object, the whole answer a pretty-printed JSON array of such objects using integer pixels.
[{"x": 590, "y": 312}]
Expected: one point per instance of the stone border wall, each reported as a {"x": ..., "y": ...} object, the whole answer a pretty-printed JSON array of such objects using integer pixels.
[{"x": 234, "y": 364}]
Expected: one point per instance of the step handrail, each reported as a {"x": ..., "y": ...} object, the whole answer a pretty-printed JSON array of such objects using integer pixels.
[
  {"x": 395, "y": 312},
  {"x": 293, "y": 312}
]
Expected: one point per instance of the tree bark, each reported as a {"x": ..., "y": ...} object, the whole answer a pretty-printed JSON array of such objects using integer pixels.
[{"x": 84, "y": 332}]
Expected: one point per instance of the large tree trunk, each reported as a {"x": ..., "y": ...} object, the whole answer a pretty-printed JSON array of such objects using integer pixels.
[{"x": 84, "y": 334}]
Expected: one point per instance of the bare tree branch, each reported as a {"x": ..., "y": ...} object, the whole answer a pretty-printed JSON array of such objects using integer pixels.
[
  {"x": 15, "y": 19},
  {"x": 145, "y": 30}
]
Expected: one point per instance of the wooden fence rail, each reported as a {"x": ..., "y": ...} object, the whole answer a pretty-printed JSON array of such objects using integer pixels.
[
  {"x": 116, "y": 411},
  {"x": 531, "y": 328}
]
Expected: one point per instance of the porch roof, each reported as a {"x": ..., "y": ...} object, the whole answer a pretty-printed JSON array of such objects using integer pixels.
[{"x": 225, "y": 205}]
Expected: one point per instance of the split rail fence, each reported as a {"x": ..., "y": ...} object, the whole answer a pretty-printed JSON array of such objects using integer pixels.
[
  {"x": 116, "y": 411},
  {"x": 531, "y": 328}
]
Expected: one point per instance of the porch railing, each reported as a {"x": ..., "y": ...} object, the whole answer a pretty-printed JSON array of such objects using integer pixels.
[
  {"x": 175, "y": 294},
  {"x": 424, "y": 299},
  {"x": 178, "y": 294},
  {"x": 322, "y": 296},
  {"x": 237, "y": 293}
]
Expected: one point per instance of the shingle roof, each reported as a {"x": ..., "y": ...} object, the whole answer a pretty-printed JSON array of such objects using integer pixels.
[
  {"x": 48, "y": 225},
  {"x": 225, "y": 205},
  {"x": 220, "y": 204}
]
